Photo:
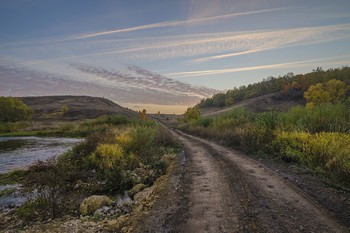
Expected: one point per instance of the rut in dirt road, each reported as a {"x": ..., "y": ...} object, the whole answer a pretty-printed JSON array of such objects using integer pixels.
[{"x": 228, "y": 192}]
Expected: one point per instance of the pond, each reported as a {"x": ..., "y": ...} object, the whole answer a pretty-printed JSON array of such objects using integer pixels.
[{"x": 19, "y": 152}]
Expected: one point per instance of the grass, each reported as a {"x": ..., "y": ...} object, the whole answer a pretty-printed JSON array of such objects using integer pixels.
[
  {"x": 20, "y": 134},
  {"x": 9, "y": 127},
  {"x": 13, "y": 177},
  {"x": 7, "y": 192},
  {"x": 318, "y": 138}
]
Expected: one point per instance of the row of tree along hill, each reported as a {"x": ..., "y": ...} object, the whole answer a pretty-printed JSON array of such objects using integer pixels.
[{"x": 288, "y": 84}]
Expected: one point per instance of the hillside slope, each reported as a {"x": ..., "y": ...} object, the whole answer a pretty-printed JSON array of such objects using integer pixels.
[
  {"x": 79, "y": 107},
  {"x": 261, "y": 104}
]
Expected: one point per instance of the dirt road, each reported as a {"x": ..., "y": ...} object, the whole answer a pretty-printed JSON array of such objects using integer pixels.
[{"x": 218, "y": 190}]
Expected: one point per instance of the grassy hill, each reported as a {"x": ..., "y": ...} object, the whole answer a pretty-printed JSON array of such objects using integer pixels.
[
  {"x": 79, "y": 107},
  {"x": 262, "y": 103},
  {"x": 48, "y": 114}
]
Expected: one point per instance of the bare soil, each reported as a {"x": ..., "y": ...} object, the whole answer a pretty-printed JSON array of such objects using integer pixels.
[{"x": 216, "y": 189}]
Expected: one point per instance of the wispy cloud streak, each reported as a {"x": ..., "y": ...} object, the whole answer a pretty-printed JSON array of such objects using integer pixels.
[
  {"x": 250, "y": 68},
  {"x": 144, "y": 79},
  {"x": 175, "y": 23},
  {"x": 226, "y": 44}
]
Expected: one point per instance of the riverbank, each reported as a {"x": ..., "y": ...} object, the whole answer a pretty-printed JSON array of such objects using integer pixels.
[{"x": 119, "y": 154}]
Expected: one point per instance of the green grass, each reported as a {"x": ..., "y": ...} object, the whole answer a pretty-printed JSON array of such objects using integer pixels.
[
  {"x": 13, "y": 177},
  {"x": 8, "y": 127},
  {"x": 7, "y": 192},
  {"x": 20, "y": 134}
]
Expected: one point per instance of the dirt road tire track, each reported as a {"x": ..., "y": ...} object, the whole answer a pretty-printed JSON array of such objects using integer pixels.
[
  {"x": 231, "y": 193},
  {"x": 215, "y": 189}
]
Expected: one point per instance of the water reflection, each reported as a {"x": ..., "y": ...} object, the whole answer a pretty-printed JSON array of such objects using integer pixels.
[{"x": 10, "y": 145}]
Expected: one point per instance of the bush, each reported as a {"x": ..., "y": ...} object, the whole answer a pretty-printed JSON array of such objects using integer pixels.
[
  {"x": 204, "y": 121},
  {"x": 13, "y": 109},
  {"x": 164, "y": 138},
  {"x": 321, "y": 118},
  {"x": 326, "y": 151},
  {"x": 142, "y": 144},
  {"x": 192, "y": 114},
  {"x": 50, "y": 182},
  {"x": 108, "y": 156}
]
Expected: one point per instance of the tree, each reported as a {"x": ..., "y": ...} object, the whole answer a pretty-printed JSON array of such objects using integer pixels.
[
  {"x": 331, "y": 92},
  {"x": 64, "y": 108},
  {"x": 192, "y": 114},
  {"x": 143, "y": 114},
  {"x": 219, "y": 100},
  {"x": 13, "y": 109}
]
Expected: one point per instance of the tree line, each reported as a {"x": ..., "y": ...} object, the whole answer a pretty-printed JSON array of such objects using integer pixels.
[{"x": 289, "y": 85}]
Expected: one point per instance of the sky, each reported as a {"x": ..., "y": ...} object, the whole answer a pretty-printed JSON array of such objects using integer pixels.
[{"x": 164, "y": 55}]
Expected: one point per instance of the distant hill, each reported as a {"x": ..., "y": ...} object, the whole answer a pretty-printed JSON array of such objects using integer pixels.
[{"x": 79, "y": 107}]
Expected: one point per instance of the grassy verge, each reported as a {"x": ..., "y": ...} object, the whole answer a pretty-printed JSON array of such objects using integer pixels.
[
  {"x": 10, "y": 127},
  {"x": 13, "y": 177},
  {"x": 318, "y": 138},
  {"x": 19, "y": 134}
]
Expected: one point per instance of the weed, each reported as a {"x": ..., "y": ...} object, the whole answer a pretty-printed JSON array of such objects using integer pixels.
[{"x": 7, "y": 191}]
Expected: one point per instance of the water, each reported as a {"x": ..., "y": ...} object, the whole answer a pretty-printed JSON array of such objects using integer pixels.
[{"x": 19, "y": 152}]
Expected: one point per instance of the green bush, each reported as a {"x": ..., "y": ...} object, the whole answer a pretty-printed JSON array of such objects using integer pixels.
[
  {"x": 13, "y": 109},
  {"x": 142, "y": 144},
  {"x": 108, "y": 156},
  {"x": 192, "y": 114},
  {"x": 321, "y": 118},
  {"x": 326, "y": 151}
]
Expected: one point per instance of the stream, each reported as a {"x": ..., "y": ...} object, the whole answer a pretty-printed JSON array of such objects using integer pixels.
[{"x": 20, "y": 152}]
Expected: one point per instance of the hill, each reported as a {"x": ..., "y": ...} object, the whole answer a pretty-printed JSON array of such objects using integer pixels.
[
  {"x": 47, "y": 110},
  {"x": 79, "y": 107},
  {"x": 281, "y": 92},
  {"x": 262, "y": 103}
]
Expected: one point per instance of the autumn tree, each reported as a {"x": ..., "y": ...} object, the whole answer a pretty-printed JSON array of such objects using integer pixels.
[
  {"x": 13, "y": 109},
  {"x": 64, "y": 108},
  {"x": 331, "y": 92},
  {"x": 143, "y": 114},
  {"x": 192, "y": 114}
]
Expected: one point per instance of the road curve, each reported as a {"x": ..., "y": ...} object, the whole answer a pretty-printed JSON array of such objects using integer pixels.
[{"x": 228, "y": 192}]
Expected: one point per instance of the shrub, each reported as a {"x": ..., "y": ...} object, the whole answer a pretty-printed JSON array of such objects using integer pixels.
[
  {"x": 13, "y": 109},
  {"x": 205, "y": 121},
  {"x": 192, "y": 114},
  {"x": 326, "y": 117},
  {"x": 326, "y": 151},
  {"x": 164, "y": 138},
  {"x": 142, "y": 143},
  {"x": 50, "y": 183},
  {"x": 108, "y": 156}
]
